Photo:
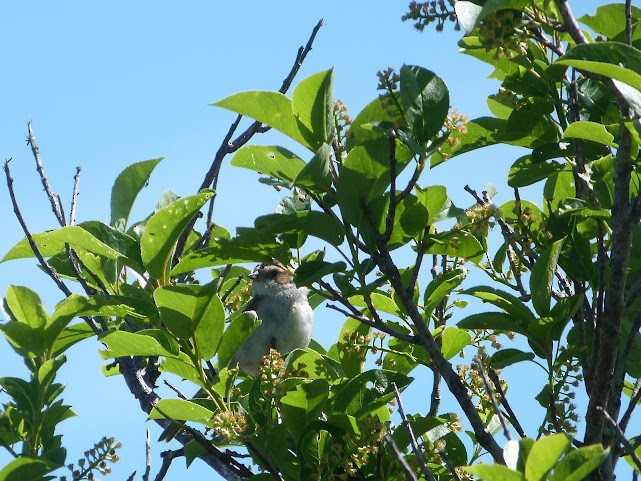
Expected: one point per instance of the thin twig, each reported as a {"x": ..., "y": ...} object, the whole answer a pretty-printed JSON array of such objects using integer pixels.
[
  {"x": 74, "y": 197},
  {"x": 634, "y": 400},
  {"x": 617, "y": 430},
  {"x": 449, "y": 464},
  {"x": 380, "y": 326},
  {"x": 513, "y": 419},
  {"x": 628, "y": 22},
  {"x": 411, "y": 475},
  {"x": 490, "y": 393},
  {"x": 175, "y": 389},
  {"x": 229, "y": 291},
  {"x": 55, "y": 205},
  {"x": 145, "y": 476},
  {"x": 427, "y": 472},
  {"x": 167, "y": 458}
]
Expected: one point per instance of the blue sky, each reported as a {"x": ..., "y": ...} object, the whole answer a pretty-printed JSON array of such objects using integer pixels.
[{"x": 111, "y": 83}]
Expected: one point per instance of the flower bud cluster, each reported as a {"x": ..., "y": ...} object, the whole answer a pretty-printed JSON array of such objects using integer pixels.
[
  {"x": 95, "y": 459},
  {"x": 424, "y": 13},
  {"x": 229, "y": 425},
  {"x": 502, "y": 31}
]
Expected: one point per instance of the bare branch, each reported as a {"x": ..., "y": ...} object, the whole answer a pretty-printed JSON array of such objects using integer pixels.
[
  {"x": 427, "y": 472},
  {"x": 401, "y": 459},
  {"x": 55, "y": 205},
  {"x": 513, "y": 419},
  {"x": 145, "y": 476},
  {"x": 628, "y": 22},
  {"x": 634, "y": 400},
  {"x": 629, "y": 449},
  {"x": 167, "y": 458},
  {"x": 490, "y": 392},
  {"x": 74, "y": 197}
]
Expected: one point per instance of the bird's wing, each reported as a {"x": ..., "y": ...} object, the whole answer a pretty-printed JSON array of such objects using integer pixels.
[{"x": 253, "y": 303}]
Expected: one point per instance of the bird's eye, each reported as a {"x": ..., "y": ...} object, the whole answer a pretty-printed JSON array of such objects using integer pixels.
[{"x": 273, "y": 274}]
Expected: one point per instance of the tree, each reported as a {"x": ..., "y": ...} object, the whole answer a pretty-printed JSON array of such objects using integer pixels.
[{"x": 561, "y": 278}]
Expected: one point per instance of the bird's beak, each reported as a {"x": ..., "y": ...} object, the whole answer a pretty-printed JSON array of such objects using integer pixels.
[{"x": 255, "y": 272}]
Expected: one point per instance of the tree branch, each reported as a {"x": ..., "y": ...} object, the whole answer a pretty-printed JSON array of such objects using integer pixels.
[
  {"x": 228, "y": 146},
  {"x": 55, "y": 205}
]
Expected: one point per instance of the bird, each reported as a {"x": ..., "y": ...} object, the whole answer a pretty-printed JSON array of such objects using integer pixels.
[
  {"x": 287, "y": 318},
  {"x": 287, "y": 323}
]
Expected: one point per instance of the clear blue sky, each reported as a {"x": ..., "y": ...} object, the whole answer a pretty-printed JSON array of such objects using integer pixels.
[{"x": 111, "y": 83}]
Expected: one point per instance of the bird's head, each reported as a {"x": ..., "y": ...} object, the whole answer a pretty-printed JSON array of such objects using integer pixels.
[{"x": 271, "y": 279}]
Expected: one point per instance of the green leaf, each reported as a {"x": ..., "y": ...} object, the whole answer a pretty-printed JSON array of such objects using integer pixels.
[
  {"x": 544, "y": 454},
  {"x": 240, "y": 327},
  {"x": 614, "y": 60},
  {"x": 271, "y": 108},
  {"x": 364, "y": 176},
  {"x": 25, "y": 306},
  {"x": 313, "y": 105},
  {"x": 507, "y": 357},
  {"x": 542, "y": 277},
  {"x": 313, "y": 271},
  {"x": 181, "y": 410},
  {"x": 24, "y": 467},
  {"x": 234, "y": 251},
  {"x": 304, "y": 404},
  {"x": 438, "y": 204},
  {"x": 454, "y": 340},
  {"x": 193, "y": 310},
  {"x": 126, "y": 188},
  {"x": 368, "y": 391},
  {"x": 609, "y": 21},
  {"x": 270, "y": 160},
  {"x": 506, "y": 301},
  {"x": 122, "y": 343},
  {"x": 576, "y": 465},
  {"x": 494, "y": 472},
  {"x": 317, "y": 224},
  {"x": 527, "y": 172},
  {"x": 591, "y": 131},
  {"x": 53, "y": 242},
  {"x": 498, "y": 321},
  {"x": 439, "y": 287},
  {"x": 315, "y": 176},
  {"x": 425, "y": 100},
  {"x": 481, "y": 132},
  {"x": 163, "y": 230},
  {"x": 70, "y": 336}
]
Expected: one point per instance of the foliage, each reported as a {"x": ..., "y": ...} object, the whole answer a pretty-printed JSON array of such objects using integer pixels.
[{"x": 562, "y": 275}]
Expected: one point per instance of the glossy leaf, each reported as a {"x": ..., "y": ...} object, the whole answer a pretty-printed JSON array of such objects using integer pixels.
[
  {"x": 126, "y": 188},
  {"x": 453, "y": 341},
  {"x": 611, "y": 59},
  {"x": 315, "y": 176},
  {"x": 494, "y": 472},
  {"x": 123, "y": 343},
  {"x": 181, "y": 410},
  {"x": 317, "y": 224},
  {"x": 439, "y": 287},
  {"x": 507, "y": 357},
  {"x": 25, "y": 467},
  {"x": 504, "y": 300},
  {"x": 368, "y": 391},
  {"x": 163, "y": 230},
  {"x": 527, "y": 172},
  {"x": 313, "y": 105},
  {"x": 425, "y": 100},
  {"x": 481, "y": 132},
  {"x": 313, "y": 271},
  {"x": 271, "y": 108},
  {"x": 304, "y": 404},
  {"x": 270, "y": 160},
  {"x": 544, "y": 455},
  {"x": 576, "y": 465},
  {"x": 591, "y": 131}
]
